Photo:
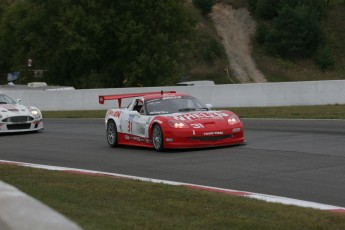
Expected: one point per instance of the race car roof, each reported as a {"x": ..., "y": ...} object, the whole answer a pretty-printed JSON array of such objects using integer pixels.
[{"x": 119, "y": 97}]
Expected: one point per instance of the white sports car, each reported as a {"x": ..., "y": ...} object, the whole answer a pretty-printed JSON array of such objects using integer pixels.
[{"x": 15, "y": 117}]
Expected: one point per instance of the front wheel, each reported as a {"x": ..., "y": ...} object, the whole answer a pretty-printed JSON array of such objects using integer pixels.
[
  {"x": 112, "y": 133},
  {"x": 157, "y": 138}
]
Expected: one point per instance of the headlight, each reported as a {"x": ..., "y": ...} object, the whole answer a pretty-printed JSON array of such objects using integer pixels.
[
  {"x": 34, "y": 112},
  {"x": 177, "y": 124},
  {"x": 233, "y": 120}
]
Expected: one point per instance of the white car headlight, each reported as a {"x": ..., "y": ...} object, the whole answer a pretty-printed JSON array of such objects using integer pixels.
[
  {"x": 233, "y": 120},
  {"x": 177, "y": 124},
  {"x": 34, "y": 112}
]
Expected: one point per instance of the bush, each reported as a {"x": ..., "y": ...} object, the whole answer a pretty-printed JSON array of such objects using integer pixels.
[
  {"x": 296, "y": 32},
  {"x": 252, "y": 6},
  {"x": 212, "y": 50},
  {"x": 324, "y": 59},
  {"x": 266, "y": 9},
  {"x": 261, "y": 33},
  {"x": 204, "y": 5}
]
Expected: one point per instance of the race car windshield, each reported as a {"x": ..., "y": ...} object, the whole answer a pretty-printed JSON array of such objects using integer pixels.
[
  {"x": 174, "y": 105},
  {"x": 6, "y": 100}
]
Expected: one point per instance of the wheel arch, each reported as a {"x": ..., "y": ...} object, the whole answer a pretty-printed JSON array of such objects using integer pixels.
[{"x": 153, "y": 123}]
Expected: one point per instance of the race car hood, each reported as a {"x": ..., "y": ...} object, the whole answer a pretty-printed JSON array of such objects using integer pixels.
[
  {"x": 215, "y": 117},
  {"x": 8, "y": 110}
]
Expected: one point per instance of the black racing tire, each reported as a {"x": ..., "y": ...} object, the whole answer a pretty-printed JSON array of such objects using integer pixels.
[
  {"x": 112, "y": 133},
  {"x": 157, "y": 138}
]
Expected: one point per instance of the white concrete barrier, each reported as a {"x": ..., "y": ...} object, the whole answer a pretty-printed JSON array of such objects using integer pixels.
[
  {"x": 19, "y": 211},
  {"x": 232, "y": 95}
]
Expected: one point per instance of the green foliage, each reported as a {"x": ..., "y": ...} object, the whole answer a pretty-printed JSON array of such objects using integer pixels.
[
  {"x": 333, "y": 2},
  {"x": 261, "y": 32},
  {"x": 296, "y": 32},
  {"x": 324, "y": 59},
  {"x": 204, "y": 5},
  {"x": 266, "y": 9},
  {"x": 252, "y": 5},
  {"x": 295, "y": 28},
  {"x": 96, "y": 43},
  {"x": 212, "y": 50}
]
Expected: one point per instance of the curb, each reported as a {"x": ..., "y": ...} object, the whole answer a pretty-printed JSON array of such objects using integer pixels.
[
  {"x": 19, "y": 211},
  {"x": 258, "y": 196}
]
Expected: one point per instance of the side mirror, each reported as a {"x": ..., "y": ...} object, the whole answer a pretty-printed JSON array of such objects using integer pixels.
[{"x": 18, "y": 101}]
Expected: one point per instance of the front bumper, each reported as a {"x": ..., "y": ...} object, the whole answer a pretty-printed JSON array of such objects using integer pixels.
[
  {"x": 14, "y": 127},
  {"x": 203, "y": 139}
]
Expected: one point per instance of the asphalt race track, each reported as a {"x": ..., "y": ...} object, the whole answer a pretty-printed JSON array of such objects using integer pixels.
[{"x": 301, "y": 159}]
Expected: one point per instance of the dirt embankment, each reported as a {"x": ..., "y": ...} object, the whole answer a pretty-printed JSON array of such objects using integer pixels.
[{"x": 236, "y": 27}]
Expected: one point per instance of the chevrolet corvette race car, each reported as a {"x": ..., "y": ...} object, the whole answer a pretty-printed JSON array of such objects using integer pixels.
[
  {"x": 15, "y": 117},
  {"x": 165, "y": 120}
]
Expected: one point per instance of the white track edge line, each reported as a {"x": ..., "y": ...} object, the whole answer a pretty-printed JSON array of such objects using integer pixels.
[{"x": 258, "y": 196}]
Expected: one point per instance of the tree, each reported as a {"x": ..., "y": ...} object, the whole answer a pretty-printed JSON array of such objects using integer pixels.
[
  {"x": 97, "y": 43},
  {"x": 296, "y": 32},
  {"x": 204, "y": 5}
]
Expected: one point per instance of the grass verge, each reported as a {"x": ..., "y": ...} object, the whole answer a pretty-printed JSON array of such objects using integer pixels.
[
  {"x": 289, "y": 112},
  {"x": 97, "y": 202}
]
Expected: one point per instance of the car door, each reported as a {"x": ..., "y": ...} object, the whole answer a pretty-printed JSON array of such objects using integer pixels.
[
  {"x": 133, "y": 122},
  {"x": 140, "y": 121}
]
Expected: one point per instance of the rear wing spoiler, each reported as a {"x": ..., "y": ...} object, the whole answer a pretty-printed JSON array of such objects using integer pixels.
[{"x": 119, "y": 97}]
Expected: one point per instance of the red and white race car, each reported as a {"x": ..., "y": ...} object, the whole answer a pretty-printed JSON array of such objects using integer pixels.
[{"x": 165, "y": 120}]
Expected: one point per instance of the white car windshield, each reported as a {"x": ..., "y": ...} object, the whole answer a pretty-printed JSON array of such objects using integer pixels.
[
  {"x": 174, "y": 104},
  {"x": 6, "y": 100}
]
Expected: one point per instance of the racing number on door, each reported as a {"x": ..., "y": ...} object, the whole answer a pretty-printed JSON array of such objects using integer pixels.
[{"x": 130, "y": 126}]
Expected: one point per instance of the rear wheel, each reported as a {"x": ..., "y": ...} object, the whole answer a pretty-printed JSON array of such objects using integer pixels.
[
  {"x": 157, "y": 138},
  {"x": 112, "y": 133}
]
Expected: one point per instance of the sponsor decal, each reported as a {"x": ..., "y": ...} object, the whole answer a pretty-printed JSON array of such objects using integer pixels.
[
  {"x": 135, "y": 138},
  {"x": 213, "y": 133},
  {"x": 141, "y": 130},
  {"x": 9, "y": 107},
  {"x": 158, "y": 112},
  {"x": 131, "y": 117},
  {"x": 201, "y": 116},
  {"x": 116, "y": 114},
  {"x": 169, "y": 139},
  {"x": 171, "y": 97}
]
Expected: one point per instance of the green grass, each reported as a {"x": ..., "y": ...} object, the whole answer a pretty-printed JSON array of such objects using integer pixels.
[
  {"x": 290, "y": 112},
  {"x": 75, "y": 114},
  {"x": 96, "y": 202}
]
